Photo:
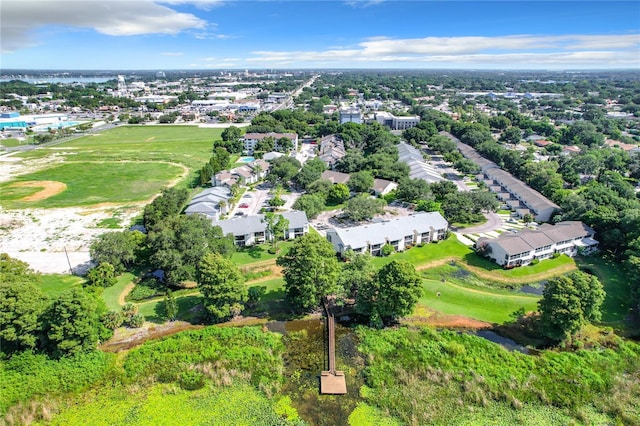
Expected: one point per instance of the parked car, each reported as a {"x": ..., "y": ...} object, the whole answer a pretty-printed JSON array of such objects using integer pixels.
[{"x": 243, "y": 205}]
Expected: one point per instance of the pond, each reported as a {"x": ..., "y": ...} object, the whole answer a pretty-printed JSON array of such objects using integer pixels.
[
  {"x": 510, "y": 345},
  {"x": 304, "y": 359}
]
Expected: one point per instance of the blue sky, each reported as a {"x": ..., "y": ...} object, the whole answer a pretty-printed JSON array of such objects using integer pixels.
[{"x": 219, "y": 34}]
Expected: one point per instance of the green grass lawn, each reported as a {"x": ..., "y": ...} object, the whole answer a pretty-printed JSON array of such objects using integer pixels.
[
  {"x": 96, "y": 167},
  {"x": 615, "y": 282},
  {"x": 479, "y": 303},
  {"x": 54, "y": 284},
  {"x": 258, "y": 253},
  {"x": 189, "y": 145},
  {"x": 10, "y": 142},
  {"x": 428, "y": 253},
  {"x": 112, "y": 294},
  {"x": 92, "y": 183},
  {"x": 154, "y": 311}
]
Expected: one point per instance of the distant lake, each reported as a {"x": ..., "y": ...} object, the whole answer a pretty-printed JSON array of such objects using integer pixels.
[{"x": 63, "y": 80}]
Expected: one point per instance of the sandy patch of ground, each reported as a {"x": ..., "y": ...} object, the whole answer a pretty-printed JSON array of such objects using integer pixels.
[
  {"x": 126, "y": 338},
  {"x": 49, "y": 189},
  {"x": 150, "y": 139},
  {"x": 41, "y": 236},
  {"x": 11, "y": 166},
  {"x": 427, "y": 316}
]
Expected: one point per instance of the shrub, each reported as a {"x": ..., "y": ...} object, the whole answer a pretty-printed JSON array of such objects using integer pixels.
[
  {"x": 146, "y": 289},
  {"x": 128, "y": 311},
  {"x": 387, "y": 250},
  {"x": 534, "y": 262},
  {"x": 136, "y": 321},
  {"x": 191, "y": 380},
  {"x": 112, "y": 319}
]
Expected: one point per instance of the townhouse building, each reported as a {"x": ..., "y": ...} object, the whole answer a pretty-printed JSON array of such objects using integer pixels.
[
  {"x": 401, "y": 233},
  {"x": 511, "y": 250}
]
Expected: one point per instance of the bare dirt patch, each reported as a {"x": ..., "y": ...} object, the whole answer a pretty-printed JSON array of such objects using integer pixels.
[
  {"x": 427, "y": 316},
  {"x": 49, "y": 189},
  {"x": 126, "y": 338}
]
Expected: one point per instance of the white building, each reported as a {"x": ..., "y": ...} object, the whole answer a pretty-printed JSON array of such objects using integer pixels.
[
  {"x": 396, "y": 123},
  {"x": 250, "y": 230},
  {"x": 350, "y": 115},
  {"x": 250, "y": 140},
  {"x": 401, "y": 233},
  {"x": 511, "y": 250}
]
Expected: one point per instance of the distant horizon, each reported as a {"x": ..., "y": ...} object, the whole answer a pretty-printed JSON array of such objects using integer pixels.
[{"x": 339, "y": 34}]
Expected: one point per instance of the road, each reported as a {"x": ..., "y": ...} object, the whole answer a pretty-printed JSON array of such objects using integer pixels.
[
  {"x": 288, "y": 102},
  {"x": 493, "y": 223}
]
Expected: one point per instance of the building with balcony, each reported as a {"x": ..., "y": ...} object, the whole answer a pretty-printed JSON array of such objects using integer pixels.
[
  {"x": 402, "y": 233},
  {"x": 251, "y": 230},
  {"x": 511, "y": 250}
]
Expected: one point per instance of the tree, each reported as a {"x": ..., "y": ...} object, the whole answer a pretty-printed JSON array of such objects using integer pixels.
[
  {"x": 568, "y": 303},
  {"x": 357, "y": 271},
  {"x": 103, "y": 275},
  {"x": 310, "y": 172},
  {"x": 179, "y": 243},
  {"x": 311, "y": 204},
  {"x": 338, "y": 193},
  {"x": 414, "y": 190},
  {"x": 72, "y": 323},
  {"x": 276, "y": 226},
  {"x": 169, "y": 203},
  {"x": 310, "y": 270},
  {"x": 170, "y": 306},
  {"x": 512, "y": 135},
  {"x": 361, "y": 181},
  {"x": 222, "y": 286},
  {"x": 21, "y": 307},
  {"x": 119, "y": 249},
  {"x": 231, "y": 134},
  {"x": 393, "y": 292},
  {"x": 364, "y": 207},
  {"x": 282, "y": 170}
]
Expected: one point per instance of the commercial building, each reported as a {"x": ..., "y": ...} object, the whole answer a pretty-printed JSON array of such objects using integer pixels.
[
  {"x": 401, "y": 233},
  {"x": 511, "y": 250},
  {"x": 250, "y": 230},
  {"x": 396, "y": 122}
]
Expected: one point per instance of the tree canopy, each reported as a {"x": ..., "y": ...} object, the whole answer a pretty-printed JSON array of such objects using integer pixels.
[
  {"x": 392, "y": 293},
  {"x": 568, "y": 303},
  {"x": 222, "y": 286},
  {"x": 310, "y": 270}
]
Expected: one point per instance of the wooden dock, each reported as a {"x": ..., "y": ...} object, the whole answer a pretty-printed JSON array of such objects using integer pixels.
[{"x": 332, "y": 382}]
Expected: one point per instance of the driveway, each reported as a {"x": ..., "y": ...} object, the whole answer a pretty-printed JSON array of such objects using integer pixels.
[{"x": 493, "y": 223}]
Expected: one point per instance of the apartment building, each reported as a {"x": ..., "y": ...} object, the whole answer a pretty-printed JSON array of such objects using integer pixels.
[
  {"x": 401, "y": 233},
  {"x": 511, "y": 250}
]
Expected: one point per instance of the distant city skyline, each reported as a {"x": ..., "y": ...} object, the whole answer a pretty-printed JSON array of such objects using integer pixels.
[{"x": 373, "y": 34}]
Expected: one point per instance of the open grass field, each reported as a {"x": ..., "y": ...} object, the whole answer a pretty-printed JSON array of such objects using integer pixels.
[
  {"x": 89, "y": 183},
  {"x": 617, "y": 303},
  {"x": 474, "y": 302},
  {"x": 187, "y": 145},
  {"x": 54, "y": 284},
  {"x": 124, "y": 164},
  {"x": 112, "y": 295},
  {"x": 10, "y": 142}
]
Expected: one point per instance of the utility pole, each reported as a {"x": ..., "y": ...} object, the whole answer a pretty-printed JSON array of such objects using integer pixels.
[{"x": 68, "y": 261}]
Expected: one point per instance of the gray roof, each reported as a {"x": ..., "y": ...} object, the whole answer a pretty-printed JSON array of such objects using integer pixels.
[
  {"x": 544, "y": 236},
  {"x": 335, "y": 177},
  {"x": 418, "y": 168},
  {"x": 205, "y": 208},
  {"x": 251, "y": 224},
  {"x": 394, "y": 229}
]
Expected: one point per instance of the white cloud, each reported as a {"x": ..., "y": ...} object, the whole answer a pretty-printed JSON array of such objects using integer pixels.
[
  {"x": 20, "y": 18},
  {"x": 363, "y": 3},
  {"x": 530, "y": 50}
]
